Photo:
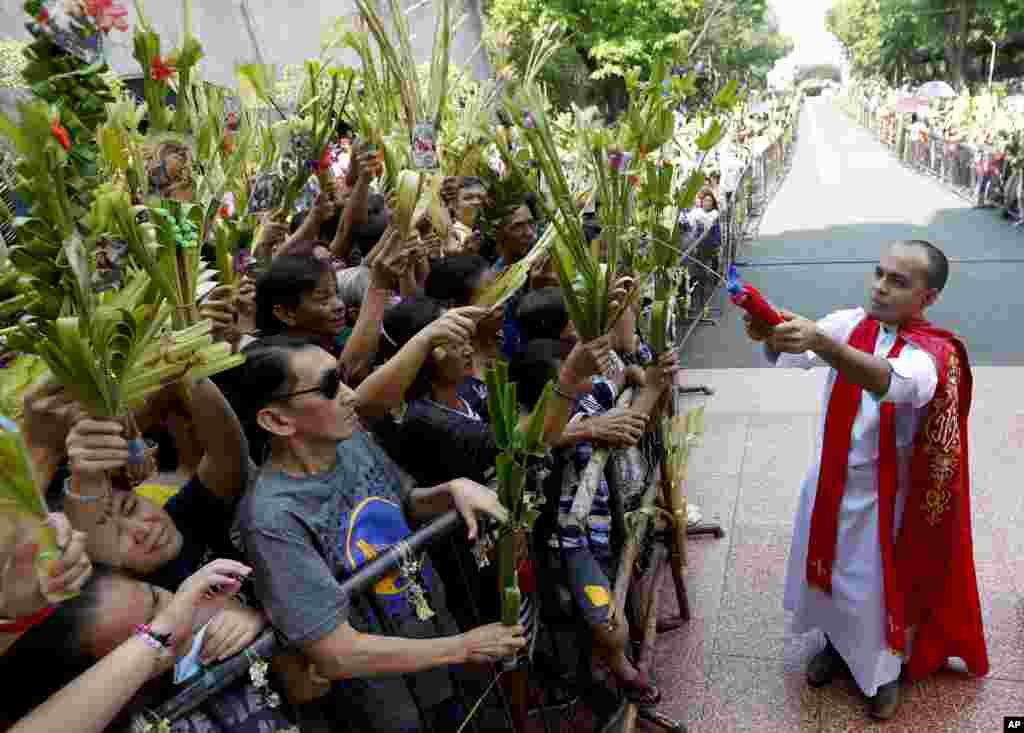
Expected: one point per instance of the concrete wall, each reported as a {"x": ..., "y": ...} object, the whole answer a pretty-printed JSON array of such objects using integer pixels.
[{"x": 285, "y": 32}]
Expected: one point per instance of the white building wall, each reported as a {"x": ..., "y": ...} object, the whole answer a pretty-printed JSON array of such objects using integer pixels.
[{"x": 285, "y": 32}]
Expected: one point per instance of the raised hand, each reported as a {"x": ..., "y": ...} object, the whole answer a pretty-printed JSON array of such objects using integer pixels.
[
  {"x": 96, "y": 446},
  {"x": 585, "y": 361},
  {"x": 220, "y": 307},
  {"x": 25, "y": 584},
  {"x": 455, "y": 327},
  {"x": 200, "y": 598}
]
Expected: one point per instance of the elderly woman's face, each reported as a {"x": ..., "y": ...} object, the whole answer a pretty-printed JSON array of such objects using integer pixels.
[{"x": 319, "y": 312}]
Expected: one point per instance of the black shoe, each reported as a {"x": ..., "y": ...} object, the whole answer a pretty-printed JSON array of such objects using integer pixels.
[
  {"x": 886, "y": 702},
  {"x": 824, "y": 666}
]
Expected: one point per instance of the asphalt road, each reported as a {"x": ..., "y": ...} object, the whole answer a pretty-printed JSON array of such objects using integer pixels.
[{"x": 821, "y": 236}]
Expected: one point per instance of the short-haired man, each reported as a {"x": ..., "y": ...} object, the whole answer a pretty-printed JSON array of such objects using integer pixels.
[{"x": 882, "y": 560}]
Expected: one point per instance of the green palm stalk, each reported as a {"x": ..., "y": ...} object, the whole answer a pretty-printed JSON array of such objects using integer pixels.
[
  {"x": 586, "y": 282},
  {"x": 419, "y": 104},
  {"x": 517, "y": 443},
  {"x": 158, "y": 68},
  {"x": 17, "y": 377},
  {"x": 313, "y": 124},
  {"x": 231, "y": 236},
  {"x": 120, "y": 352},
  {"x": 509, "y": 282},
  {"x": 19, "y": 496}
]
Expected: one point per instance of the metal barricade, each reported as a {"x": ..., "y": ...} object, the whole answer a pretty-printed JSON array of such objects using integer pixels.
[
  {"x": 968, "y": 170},
  {"x": 936, "y": 157},
  {"x": 217, "y": 678},
  {"x": 740, "y": 210}
]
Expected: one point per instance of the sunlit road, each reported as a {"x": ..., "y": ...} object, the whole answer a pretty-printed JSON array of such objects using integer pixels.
[{"x": 843, "y": 199}]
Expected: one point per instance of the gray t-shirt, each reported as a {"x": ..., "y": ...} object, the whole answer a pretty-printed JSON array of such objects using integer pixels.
[{"x": 303, "y": 536}]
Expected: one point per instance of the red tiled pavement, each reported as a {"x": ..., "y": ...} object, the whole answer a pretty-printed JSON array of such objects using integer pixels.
[{"x": 736, "y": 667}]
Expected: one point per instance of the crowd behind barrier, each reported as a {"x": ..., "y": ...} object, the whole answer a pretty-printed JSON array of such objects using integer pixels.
[
  {"x": 741, "y": 210},
  {"x": 986, "y": 174}
]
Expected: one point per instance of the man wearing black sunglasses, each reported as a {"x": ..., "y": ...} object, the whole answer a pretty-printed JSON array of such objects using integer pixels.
[{"x": 329, "y": 500}]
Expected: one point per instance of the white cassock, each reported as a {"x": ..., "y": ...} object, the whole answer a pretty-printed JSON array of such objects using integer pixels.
[{"x": 853, "y": 617}]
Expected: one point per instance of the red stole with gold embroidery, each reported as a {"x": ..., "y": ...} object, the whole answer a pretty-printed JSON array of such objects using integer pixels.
[{"x": 929, "y": 579}]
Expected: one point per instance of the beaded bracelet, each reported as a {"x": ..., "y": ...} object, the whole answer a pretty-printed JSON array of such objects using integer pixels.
[{"x": 160, "y": 642}]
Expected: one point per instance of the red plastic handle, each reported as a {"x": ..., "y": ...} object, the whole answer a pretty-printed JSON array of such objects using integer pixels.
[{"x": 754, "y": 303}]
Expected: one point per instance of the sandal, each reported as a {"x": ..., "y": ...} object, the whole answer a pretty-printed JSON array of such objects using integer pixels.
[{"x": 642, "y": 691}]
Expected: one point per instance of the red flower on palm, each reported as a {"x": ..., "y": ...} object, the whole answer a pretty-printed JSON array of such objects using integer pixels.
[
  {"x": 61, "y": 133},
  {"x": 107, "y": 14},
  {"x": 326, "y": 160},
  {"x": 162, "y": 70}
]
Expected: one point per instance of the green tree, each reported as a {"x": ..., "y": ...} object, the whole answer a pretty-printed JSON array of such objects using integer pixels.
[
  {"x": 924, "y": 38},
  {"x": 609, "y": 37}
]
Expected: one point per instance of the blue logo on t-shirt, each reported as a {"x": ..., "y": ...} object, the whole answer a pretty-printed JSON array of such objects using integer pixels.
[{"x": 370, "y": 529}]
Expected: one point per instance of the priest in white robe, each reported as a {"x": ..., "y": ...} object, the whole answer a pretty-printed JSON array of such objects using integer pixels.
[{"x": 890, "y": 363}]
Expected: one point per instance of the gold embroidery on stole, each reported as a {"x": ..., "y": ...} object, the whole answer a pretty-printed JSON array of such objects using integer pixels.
[{"x": 942, "y": 444}]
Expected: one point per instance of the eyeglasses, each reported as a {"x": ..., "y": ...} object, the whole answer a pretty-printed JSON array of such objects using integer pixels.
[{"x": 328, "y": 387}]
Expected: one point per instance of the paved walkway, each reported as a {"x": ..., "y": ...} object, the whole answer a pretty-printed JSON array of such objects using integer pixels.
[{"x": 735, "y": 667}]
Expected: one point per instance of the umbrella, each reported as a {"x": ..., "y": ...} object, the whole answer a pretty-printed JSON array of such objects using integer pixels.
[
  {"x": 1015, "y": 103},
  {"x": 936, "y": 89}
]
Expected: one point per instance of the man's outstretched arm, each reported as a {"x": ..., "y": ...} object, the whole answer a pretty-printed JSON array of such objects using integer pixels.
[
  {"x": 799, "y": 335},
  {"x": 873, "y": 373}
]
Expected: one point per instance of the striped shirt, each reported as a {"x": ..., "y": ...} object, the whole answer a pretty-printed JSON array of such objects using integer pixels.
[{"x": 574, "y": 461}]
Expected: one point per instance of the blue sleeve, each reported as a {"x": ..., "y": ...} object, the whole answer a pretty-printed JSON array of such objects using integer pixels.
[{"x": 510, "y": 330}]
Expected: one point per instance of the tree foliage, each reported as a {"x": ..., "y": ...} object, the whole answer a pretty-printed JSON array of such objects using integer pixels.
[
  {"x": 915, "y": 39},
  {"x": 12, "y": 63},
  {"x": 608, "y": 37}
]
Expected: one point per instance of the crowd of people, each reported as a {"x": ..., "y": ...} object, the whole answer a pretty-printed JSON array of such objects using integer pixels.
[
  {"x": 359, "y": 414},
  {"x": 971, "y": 140}
]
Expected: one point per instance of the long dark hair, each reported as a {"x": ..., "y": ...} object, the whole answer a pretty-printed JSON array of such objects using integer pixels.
[
  {"x": 453, "y": 279},
  {"x": 535, "y": 366},
  {"x": 542, "y": 314},
  {"x": 285, "y": 282},
  {"x": 401, "y": 323}
]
